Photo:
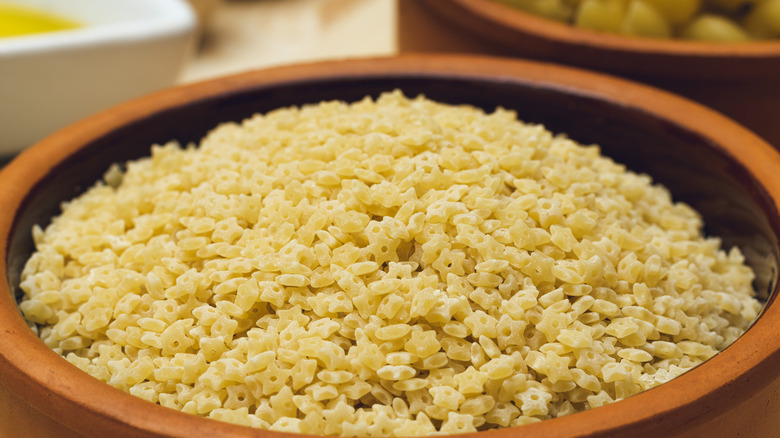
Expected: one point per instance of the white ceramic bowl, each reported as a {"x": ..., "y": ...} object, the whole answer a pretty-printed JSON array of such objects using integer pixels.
[{"x": 126, "y": 48}]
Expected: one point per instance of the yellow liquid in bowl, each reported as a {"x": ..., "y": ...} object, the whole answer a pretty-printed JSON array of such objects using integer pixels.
[{"x": 19, "y": 20}]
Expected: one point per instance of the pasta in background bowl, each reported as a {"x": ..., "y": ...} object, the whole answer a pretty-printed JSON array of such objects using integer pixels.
[
  {"x": 734, "y": 196},
  {"x": 717, "y": 21}
]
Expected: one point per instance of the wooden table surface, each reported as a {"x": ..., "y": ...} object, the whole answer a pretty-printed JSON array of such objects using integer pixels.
[{"x": 250, "y": 34}]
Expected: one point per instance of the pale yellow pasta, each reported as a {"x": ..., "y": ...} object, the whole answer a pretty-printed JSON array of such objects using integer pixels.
[{"x": 387, "y": 267}]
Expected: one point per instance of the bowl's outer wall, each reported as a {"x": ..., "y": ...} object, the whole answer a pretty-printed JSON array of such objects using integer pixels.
[
  {"x": 697, "y": 170},
  {"x": 742, "y": 82}
]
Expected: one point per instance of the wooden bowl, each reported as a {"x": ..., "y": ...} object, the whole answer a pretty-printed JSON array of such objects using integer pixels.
[
  {"x": 741, "y": 80},
  {"x": 727, "y": 173}
]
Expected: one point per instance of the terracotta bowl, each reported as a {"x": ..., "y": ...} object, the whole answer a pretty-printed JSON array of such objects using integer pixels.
[
  {"x": 741, "y": 80},
  {"x": 730, "y": 175}
]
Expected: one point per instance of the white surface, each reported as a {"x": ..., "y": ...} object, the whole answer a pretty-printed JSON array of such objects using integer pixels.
[
  {"x": 127, "y": 48},
  {"x": 251, "y": 34}
]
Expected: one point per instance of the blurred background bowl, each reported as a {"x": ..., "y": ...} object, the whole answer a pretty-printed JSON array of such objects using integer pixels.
[
  {"x": 742, "y": 80},
  {"x": 733, "y": 182},
  {"x": 123, "y": 49}
]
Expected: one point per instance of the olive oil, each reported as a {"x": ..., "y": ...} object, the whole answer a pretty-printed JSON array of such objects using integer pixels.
[{"x": 18, "y": 20}]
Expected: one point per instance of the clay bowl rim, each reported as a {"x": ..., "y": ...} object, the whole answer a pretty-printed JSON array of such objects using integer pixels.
[
  {"x": 46, "y": 381},
  {"x": 504, "y": 25}
]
